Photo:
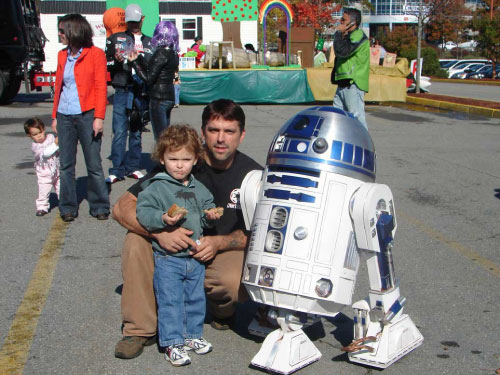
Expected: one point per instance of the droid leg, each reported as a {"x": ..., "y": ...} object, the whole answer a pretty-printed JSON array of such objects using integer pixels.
[
  {"x": 382, "y": 333},
  {"x": 288, "y": 348}
]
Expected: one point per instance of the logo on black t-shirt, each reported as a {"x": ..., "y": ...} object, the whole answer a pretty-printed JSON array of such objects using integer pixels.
[{"x": 235, "y": 198}]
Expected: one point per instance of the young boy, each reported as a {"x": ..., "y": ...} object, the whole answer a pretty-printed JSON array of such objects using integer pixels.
[
  {"x": 177, "y": 198},
  {"x": 45, "y": 150}
]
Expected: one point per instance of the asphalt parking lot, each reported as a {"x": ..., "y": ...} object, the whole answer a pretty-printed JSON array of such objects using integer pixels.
[{"x": 442, "y": 167}]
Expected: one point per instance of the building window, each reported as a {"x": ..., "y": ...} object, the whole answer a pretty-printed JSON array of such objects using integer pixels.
[
  {"x": 169, "y": 20},
  {"x": 188, "y": 28}
]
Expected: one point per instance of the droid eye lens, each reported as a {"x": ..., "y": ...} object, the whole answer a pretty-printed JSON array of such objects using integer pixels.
[
  {"x": 320, "y": 145},
  {"x": 301, "y": 123}
]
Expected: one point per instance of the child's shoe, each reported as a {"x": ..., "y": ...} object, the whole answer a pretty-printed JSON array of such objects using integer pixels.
[
  {"x": 200, "y": 346},
  {"x": 41, "y": 213},
  {"x": 177, "y": 355}
]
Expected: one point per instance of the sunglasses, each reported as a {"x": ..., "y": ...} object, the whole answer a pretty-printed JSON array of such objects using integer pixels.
[{"x": 61, "y": 31}]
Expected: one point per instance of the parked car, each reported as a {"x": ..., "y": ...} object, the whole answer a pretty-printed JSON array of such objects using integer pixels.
[
  {"x": 484, "y": 61},
  {"x": 462, "y": 67},
  {"x": 484, "y": 72},
  {"x": 446, "y": 63},
  {"x": 449, "y": 45},
  {"x": 469, "y": 45},
  {"x": 470, "y": 69}
]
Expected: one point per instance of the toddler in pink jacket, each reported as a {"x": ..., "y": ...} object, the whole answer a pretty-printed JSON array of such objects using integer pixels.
[{"x": 45, "y": 150}]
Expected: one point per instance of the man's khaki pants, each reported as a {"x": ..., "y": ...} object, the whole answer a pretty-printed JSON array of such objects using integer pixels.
[{"x": 222, "y": 285}]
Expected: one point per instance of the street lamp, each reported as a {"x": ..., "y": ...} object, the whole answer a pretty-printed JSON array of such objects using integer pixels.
[
  {"x": 420, "y": 14},
  {"x": 419, "y": 45}
]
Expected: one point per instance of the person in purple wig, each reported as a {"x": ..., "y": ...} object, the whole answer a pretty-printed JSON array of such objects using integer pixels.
[{"x": 159, "y": 74}]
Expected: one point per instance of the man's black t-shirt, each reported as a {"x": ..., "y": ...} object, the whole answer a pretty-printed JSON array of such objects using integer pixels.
[{"x": 224, "y": 186}]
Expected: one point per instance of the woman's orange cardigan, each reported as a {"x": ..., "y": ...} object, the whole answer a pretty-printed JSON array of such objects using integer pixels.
[{"x": 90, "y": 77}]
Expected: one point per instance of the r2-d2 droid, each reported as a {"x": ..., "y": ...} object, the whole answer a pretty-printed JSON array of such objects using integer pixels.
[{"x": 313, "y": 212}]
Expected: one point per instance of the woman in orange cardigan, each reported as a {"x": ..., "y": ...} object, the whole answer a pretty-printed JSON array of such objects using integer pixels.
[{"x": 78, "y": 115}]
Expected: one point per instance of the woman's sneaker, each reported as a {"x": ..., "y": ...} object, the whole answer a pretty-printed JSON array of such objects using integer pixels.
[
  {"x": 177, "y": 355},
  {"x": 200, "y": 346}
]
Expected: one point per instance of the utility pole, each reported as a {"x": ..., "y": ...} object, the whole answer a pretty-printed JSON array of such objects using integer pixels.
[{"x": 419, "y": 44}]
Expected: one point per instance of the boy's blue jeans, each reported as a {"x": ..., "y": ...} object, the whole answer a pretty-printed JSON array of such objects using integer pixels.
[{"x": 178, "y": 284}]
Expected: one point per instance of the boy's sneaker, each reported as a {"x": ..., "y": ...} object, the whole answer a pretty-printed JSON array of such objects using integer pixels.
[
  {"x": 41, "y": 213},
  {"x": 200, "y": 346},
  {"x": 177, "y": 355}
]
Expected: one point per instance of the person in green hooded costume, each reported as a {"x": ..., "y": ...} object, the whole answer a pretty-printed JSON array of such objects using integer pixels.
[{"x": 352, "y": 65}]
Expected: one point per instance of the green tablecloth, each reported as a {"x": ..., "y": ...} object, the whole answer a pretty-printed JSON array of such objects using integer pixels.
[{"x": 245, "y": 86}]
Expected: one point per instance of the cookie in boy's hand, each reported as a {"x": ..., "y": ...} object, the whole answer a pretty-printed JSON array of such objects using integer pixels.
[
  {"x": 175, "y": 210},
  {"x": 218, "y": 210}
]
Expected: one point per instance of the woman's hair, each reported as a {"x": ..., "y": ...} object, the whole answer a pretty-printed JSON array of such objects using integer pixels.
[
  {"x": 176, "y": 137},
  {"x": 77, "y": 30},
  {"x": 166, "y": 35},
  {"x": 34, "y": 122}
]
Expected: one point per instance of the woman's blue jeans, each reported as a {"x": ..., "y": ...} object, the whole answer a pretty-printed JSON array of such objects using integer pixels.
[
  {"x": 159, "y": 113},
  {"x": 70, "y": 130},
  {"x": 178, "y": 284}
]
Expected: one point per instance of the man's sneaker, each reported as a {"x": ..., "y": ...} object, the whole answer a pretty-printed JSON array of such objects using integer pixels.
[
  {"x": 200, "y": 346},
  {"x": 177, "y": 355},
  {"x": 111, "y": 179},
  {"x": 132, "y": 346},
  {"x": 221, "y": 324},
  {"x": 137, "y": 175}
]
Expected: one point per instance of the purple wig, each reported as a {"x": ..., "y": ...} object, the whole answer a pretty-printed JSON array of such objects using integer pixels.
[{"x": 165, "y": 35}]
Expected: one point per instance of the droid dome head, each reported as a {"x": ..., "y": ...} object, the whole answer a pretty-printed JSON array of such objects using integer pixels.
[{"x": 327, "y": 139}]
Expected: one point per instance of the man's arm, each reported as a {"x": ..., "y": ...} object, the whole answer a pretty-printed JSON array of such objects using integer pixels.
[
  {"x": 342, "y": 44},
  {"x": 172, "y": 239},
  {"x": 210, "y": 245}
]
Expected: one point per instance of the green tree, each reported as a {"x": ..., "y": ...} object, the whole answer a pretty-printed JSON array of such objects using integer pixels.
[
  {"x": 488, "y": 39},
  {"x": 431, "y": 62}
]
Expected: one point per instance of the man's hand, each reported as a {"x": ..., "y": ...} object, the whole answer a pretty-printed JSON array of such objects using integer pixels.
[
  {"x": 54, "y": 125},
  {"x": 132, "y": 56},
  {"x": 345, "y": 28},
  {"x": 119, "y": 57},
  {"x": 174, "y": 239},
  {"x": 207, "y": 248}
]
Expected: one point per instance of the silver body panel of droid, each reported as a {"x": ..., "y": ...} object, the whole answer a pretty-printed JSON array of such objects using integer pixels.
[{"x": 302, "y": 251}]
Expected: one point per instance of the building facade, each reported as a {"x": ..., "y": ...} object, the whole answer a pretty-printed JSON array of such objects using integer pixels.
[{"x": 192, "y": 18}]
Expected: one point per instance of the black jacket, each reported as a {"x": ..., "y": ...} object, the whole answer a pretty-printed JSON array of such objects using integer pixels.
[
  {"x": 158, "y": 73},
  {"x": 121, "y": 72}
]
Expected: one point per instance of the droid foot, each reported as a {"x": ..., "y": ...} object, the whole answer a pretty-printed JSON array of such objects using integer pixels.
[
  {"x": 381, "y": 349},
  {"x": 285, "y": 353}
]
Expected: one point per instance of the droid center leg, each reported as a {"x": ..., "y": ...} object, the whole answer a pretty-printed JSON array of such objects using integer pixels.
[{"x": 288, "y": 348}]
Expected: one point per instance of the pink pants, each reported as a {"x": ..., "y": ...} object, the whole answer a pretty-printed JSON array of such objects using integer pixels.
[{"x": 46, "y": 180}]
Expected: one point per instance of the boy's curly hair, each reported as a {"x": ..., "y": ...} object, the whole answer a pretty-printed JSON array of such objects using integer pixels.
[{"x": 174, "y": 138}]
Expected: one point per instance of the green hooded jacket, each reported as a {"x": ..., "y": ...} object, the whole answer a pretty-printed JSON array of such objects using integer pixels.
[
  {"x": 352, "y": 59},
  {"x": 160, "y": 192}
]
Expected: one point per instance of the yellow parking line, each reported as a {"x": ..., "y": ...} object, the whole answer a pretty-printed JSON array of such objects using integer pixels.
[
  {"x": 16, "y": 347},
  {"x": 487, "y": 264}
]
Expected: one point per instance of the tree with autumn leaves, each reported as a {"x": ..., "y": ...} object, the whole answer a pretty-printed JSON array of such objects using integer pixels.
[
  {"x": 314, "y": 13},
  {"x": 486, "y": 21},
  {"x": 447, "y": 20}
]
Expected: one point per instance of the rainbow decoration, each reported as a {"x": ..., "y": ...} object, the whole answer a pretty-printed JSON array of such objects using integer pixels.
[
  {"x": 270, "y": 4},
  {"x": 266, "y": 6}
]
